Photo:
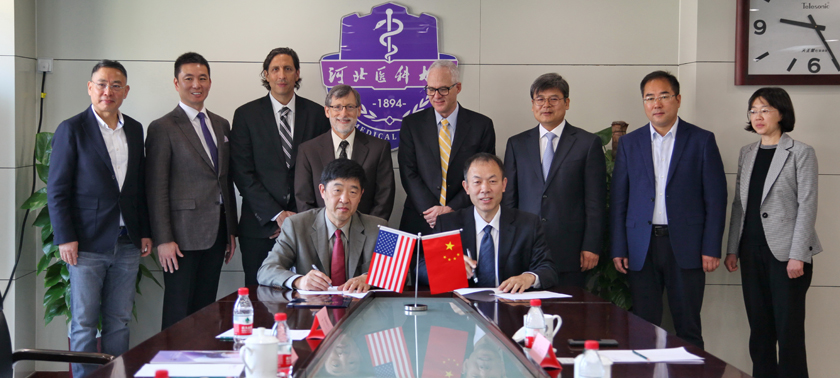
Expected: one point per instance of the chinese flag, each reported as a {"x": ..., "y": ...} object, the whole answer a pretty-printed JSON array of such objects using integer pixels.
[
  {"x": 445, "y": 262},
  {"x": 445, "y": 352}
]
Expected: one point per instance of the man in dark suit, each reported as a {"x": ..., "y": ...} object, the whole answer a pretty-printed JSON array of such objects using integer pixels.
[
  {"x": 557, "y": 171},
  {"x": 97, "y": 203},
  {"x": 511, "y": 254},
  {"x": 668, "y": 206},
  {"x": 264, "y": 140},
  {"x": 190, "y": 193},
  {"x": 330, "y": 246},
  {"x": 342, "y": 107},
  {"x": 433, "y": 146}
]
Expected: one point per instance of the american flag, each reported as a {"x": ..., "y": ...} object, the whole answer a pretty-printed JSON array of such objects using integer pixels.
[
  {"x": 389, "y": 353},
  {"x": 391, "y": 257}
]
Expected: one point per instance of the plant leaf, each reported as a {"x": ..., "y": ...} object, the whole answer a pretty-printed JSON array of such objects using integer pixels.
[
  {"x": 43, "y": 172},
  {"x": 46, "y": 232},
  {"x": 43, "y": 218},
  {"x": 43, "y": 147},
  {"x": 65, "y": 274},
  {"x": 146, "y": 272},
  {"x": 43, "y": 263},
  {"x": 606, "y": 135},
  {"x": 54, "y": 292},
  {"x": 36, "y": 201}
]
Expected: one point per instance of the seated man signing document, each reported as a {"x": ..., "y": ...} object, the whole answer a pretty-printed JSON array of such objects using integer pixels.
[{"x": 330, "y": 246}]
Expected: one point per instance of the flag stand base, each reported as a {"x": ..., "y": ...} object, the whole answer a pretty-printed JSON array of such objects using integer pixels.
[{"x": 415, "y": 307}]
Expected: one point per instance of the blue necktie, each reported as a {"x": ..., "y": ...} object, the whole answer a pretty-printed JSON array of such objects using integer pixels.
[
  {"x": 548, "y": 155},
  {"x": 487, "y": 260},
  {"x": 208, "y": 138}
]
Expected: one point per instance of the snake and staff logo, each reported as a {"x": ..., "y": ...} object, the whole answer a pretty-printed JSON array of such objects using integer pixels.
[{"x": 385, "y": 56}]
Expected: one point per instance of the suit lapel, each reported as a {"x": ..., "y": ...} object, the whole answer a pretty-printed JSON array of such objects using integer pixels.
[
  {"x": 647, "y": 154},
  {"x": 507, "y": 232},
  {"x": 218, "y": 129},
  {"x": 532, "y": 152},
  {"x": 271, "y": 127},
  {"x": 468, "y": 232},
  {"x": 779, "y": 158},
  {"x": 683, "y": 134},
  {"x": 92, "y": 129},
  {"x": 463, "y": 129},
  {"x": 301, "y": 119},
  {"x": 321, "y": 241},
  {"x": 567, "y": 140},
  {"x": 327, "y": 150},
  {"x": 746, "y": 172},
  {"x": 183, "y": 122},
  {"x": 355, "y": 245},
  {"x": 360, "y": 148},
  {"x": 429, "y": 135}
]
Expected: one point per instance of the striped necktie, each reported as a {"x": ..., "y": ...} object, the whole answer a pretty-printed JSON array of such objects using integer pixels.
[
  {"x": 286, "y": 136},
  {"x": 445, "y": 142}
]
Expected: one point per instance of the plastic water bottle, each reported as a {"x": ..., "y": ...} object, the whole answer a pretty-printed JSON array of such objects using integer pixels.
[
  {"x": 243, "y": 316},
  {"x": 284, "y": 344},
  {"x": 588, "y": 364},
  {"x": 534, "y": 322}
]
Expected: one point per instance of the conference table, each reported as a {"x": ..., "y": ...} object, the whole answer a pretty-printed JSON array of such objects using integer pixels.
[{"x": 457, "y": 334}]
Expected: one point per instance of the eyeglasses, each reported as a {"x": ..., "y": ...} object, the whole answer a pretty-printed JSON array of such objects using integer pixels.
[
  {"x": 442, "y": 90},
  {"x": 663, "y": 98},
  {"x": 764, "y": 112},
  {"x": 114, "y": 87},
  {"x": 553, "y": 100},
  {"x": 338, "y": 108}
]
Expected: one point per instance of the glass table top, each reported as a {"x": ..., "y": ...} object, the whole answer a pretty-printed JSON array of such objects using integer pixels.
[{"x": 449, "y": 340}]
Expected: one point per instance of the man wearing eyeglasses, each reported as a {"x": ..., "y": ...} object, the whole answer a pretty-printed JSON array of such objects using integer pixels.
[
  {"x": 343, "y": 107},
  {"x": 557, "y": 171},
  {"x": 264, "y": 140},
  {"x": 668, "y": 207},
  {"x": 97, "y": 204},
  {"x": 434, "y": 143}
]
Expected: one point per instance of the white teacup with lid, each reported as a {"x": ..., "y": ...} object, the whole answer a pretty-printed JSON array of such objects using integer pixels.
[{"x": 260, "y": 355}]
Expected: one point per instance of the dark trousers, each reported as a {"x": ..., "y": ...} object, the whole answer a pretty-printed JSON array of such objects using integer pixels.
[
  {"x": 574, "y": 278},
  {"x": 254, "y": 252},
  {"x": 776, "y": 312},
  {"x": 685, "y": 289},
  {"x": 195, "y": 284}
]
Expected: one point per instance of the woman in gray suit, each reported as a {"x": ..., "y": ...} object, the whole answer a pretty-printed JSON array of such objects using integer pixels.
[{"x": 772, "y": 231}]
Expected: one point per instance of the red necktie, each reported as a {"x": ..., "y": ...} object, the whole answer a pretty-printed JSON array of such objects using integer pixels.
[{"x": 337, "y": 271}]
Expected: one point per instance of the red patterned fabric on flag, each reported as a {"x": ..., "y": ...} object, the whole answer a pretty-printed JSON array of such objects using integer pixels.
[
  {"x": 391, "y": 259},
  {"x": 445, "y": 352},
  {"x": 445, "y": 262}
]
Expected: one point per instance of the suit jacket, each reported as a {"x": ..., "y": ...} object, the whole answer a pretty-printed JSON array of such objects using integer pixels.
[
  {"x": 695, "y": 197},
  {"x": 419, "y": 160},
  {"x": 83, "y": 195},
  {"x": 788, "y": 202},
  {"x": 572, "y": 202},
  {"x": 522, "y": 245},
  {"x": 183, "y": 187},
  {"x": 372, "y": 153},
  {"x": 304, "y": 241},
  {"x": 258, "y": 165}
]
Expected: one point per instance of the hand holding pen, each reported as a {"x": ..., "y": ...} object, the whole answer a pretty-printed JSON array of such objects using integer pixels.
[
  {"x": 470, "y": 265},
  {"x": 314, "y": 280}
]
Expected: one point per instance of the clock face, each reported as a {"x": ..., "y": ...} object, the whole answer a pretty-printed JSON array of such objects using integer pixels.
[{"x": 793, "y": 37}]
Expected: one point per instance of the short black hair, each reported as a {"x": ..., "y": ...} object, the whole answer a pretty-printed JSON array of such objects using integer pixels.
[
  {"x": 675, "y": 84},
  {"x": 779, "y": 99},
  {"x": 341, "y": 90},
  {"x": 190, "y": 57},
  {"x": 270, "y": 57},
  {"x": 105, "y": 63},
  {"x": 343, "y": 169},
  {"x": 483, "y": 157},
  {"x": 550, "y": 81}
]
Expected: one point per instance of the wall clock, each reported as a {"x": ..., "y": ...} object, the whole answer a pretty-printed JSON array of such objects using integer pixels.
[{"x": 787, "y": 42}]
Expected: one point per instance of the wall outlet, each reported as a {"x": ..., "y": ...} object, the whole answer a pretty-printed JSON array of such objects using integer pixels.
[{"x": 45, "y": 64}]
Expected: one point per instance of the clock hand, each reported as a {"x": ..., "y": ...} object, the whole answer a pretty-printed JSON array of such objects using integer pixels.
[
  {"x": 819, "y": 33},
  {"x": 802, "y": 24}
]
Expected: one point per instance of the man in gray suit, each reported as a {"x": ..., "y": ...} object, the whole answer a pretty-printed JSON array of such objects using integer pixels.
[
  {"x": 342, "y": 107},
  {"x": 191, "y": 199},
  {"x": 331, "y": 246}
]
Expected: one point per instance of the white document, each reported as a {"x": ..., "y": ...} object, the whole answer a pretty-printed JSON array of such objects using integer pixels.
[
  {"x": 532, "y": 295},
  {"x": 192, "y": 370},
  {"x": 332, "y": 290},
  {"x": 468, "y": 290},
  {"x": 296, "y": 334},
  {"x": 671, "y": 355}
]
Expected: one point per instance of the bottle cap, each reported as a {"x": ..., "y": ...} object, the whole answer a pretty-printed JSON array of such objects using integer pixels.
[
  {"x": 536, "y": 302},
  {"x": 162, "y": 374},
  {"x": 279, "y": 317},
  {"x": 243, "y": 291},
  {"x": 590, "y": 344}
]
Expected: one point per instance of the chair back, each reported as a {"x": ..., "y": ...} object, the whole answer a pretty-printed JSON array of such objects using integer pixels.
[{"x": 5, "y": 348}]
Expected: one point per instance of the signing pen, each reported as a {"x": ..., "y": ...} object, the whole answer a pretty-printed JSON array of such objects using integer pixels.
[
  {"x": 641, "y": 355},
  {"x": 475, "y": 277},
  {"x": 315, "y": 267}
]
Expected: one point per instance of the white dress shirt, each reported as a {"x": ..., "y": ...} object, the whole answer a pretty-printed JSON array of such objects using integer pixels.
[
  {"x": 543, "y": 140},
  {"x": 117, "y": 145},
  {"x": 494, "y": 234},
  {"x": 337, "y": 141},
  {"x": 662, "y": 147}
]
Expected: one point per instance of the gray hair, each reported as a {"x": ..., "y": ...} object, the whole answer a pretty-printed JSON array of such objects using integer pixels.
[
  {"x": 341, "y": 90},
  {"x": 451, "y": 66}
]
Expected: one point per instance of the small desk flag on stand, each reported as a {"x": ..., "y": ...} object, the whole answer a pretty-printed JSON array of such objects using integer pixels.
[
  {"x": 391, "y": 259},
  {"x": 445, "y": 261}
]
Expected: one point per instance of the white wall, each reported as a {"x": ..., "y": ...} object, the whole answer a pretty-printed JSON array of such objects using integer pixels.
[{"x": 602, "y": 47}]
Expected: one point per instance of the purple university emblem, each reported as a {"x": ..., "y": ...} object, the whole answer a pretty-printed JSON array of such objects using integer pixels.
[{"x": 385, "y": 56}]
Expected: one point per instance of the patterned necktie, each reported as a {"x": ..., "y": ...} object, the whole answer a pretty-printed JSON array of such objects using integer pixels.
[
  {"x": 208, "y": 138},
  {"x": 548, "y": 154},
  {"x": 445, "y": 143},
  {"x": 487, "y": 260},
  {"x": 286, "y": 136},
  {"x": 337, "y": 272},
  {"x": 343, "y": 146}
]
